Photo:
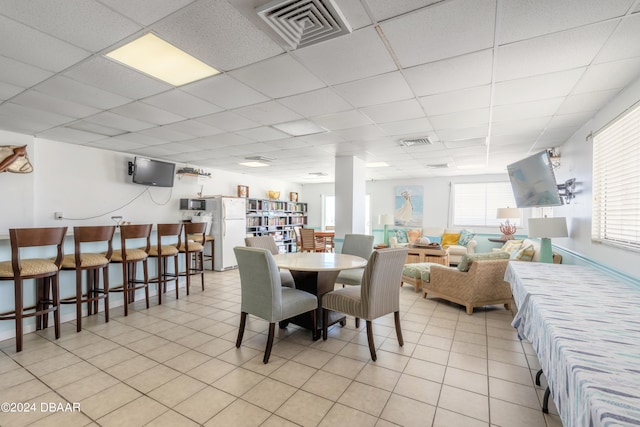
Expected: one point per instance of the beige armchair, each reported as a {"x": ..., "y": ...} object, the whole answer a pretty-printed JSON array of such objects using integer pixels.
[{"x": 482, "y": 285}]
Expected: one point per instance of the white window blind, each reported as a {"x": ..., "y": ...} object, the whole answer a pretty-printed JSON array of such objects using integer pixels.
[
  {"x": 616, "y": 182},
  {"x": 478, "y": 203}
]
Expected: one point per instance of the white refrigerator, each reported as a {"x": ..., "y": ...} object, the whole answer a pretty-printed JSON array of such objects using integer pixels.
[{"x": 228, "y": 228}]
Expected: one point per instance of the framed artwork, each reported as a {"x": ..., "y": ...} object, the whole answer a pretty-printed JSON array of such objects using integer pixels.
[
  {"x": 243, "y": 191},
  {"x": 408, "y": 206},
  {"x": 293, "y": 197}
]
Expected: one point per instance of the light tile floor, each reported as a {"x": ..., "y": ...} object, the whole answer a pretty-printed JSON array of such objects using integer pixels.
[{"x": 177, "y": 365}]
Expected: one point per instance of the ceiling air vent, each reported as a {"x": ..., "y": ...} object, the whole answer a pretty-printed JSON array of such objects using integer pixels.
[
  {"x": 437, "y": 166},
  {"x": 304, "y": 22},
  {"x": 416, "y": 141},
  {"x": 260, "y": 158},
  {"x": 318, "y": 173}
]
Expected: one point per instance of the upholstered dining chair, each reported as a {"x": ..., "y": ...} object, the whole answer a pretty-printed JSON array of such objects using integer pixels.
[
  {"x": 359, "y": 245},
  {"x": 269, "y": 243},
  {"x": 90, "y": 262},
  {"x": 44, "y": 271},
  {"x": 164, "y": 251},
  {"x": 264, "y": 296},
  {"x": 129, "y": 257},
  {"x": 377, "y": 295},
  {"x": 193, "y": 250},
  {"x": 309, "y": 242}
]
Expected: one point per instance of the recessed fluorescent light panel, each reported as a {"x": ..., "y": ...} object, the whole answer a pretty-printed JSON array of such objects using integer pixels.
[
  {"x": 151, "y": 55},
  {"x": 300, "y": 128},
  {"x": 378, "y": 165},
  {"x": 254, "y": 164}
]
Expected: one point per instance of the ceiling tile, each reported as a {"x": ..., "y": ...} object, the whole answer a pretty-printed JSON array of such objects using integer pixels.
[
  {"x": 523, "y": 20},
  {"x": 361, "y": 54},
  {"x": 154, "y": 151},
  {"x": 394, "y": 111},
  {"x": 624, "y": 43},
  {"x": 461, "y": 119},
  {"x": 116, "y": 145},
  {"x": 361, "y": 134},
  {"x": 53, "y": 104},
  {"x": 225, "y": 139},
  {"x": 166, "y": 134},
  {"x": 229, "y": 121},
  {"x": 224, "y": 91},
  {"x": 441, "y": 31},
  {"x": 32, "y": 47},
  {"x": 354, "y": 13},
  {"x": 117, "y": 121},
  {"x": 85, "y": 126},
  {"x": 21, "y": 74},
  {"x": 7, "y": 91},
  {"x": 468, "y": 133},
  {"x": 574, "y": 120},
  {"x": 452, "y": 74},
  {"x": 461, "y": 100},
  {"x": 65, "y": 88},
  {"x": 268, "y": 113},
  {"x": 288, "y": 144},
  {"x": 147, "y": 113},
  {"x": 527, "y": 110},
  {"x": 181, "y": 147},
  {"x": 140, "y": 139},
  {"x": 316, "y": 103},
  {"x": 182, "y": 103},
  {"x": 66, "y": 134},
  {"x": 375, "y": 90},
  {"x": 217, "y": 34},
  {"x": 263, "y": 133},
  {"x": 554, "y": 52},
  {"x": 194, "y": 128},
  {"x": 48, "y": 119},
  {"x": 73, "y": 21},
  {"x": 146, "y": 12},
  {"x": 406, "y": 127},
  {"x": 609, "y": 75},
  {"x": 385, "y": 9},
  {"x": 278, "y": 77},
  {"x": 536, "y": 88},
  {"x": 590, "y": 101},
  {"x": 536, "y": 124},
  {"x": 343, "y": 120}
]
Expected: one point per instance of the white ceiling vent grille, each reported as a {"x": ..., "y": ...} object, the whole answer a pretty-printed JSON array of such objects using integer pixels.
[
  {"x": 438, "y": 166},
  {"x": 415, "y": 141},
  {"x": 304, "y": 22}
]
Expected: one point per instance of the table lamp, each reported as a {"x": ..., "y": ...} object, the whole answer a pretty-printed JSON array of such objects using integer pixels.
[
  {"x": 386, "y": 220},
  {"x": 506, "y": 228},
  {"x": 545, "y": 228}
]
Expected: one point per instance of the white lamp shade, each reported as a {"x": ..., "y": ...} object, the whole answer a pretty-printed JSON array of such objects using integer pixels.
[
  {"x": 506, "y": 213},
  {"x": 548, "y": 227},
  {"x": 385, "y": 219}
]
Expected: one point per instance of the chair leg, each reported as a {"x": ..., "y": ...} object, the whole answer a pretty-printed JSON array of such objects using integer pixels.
[
  {"x": 125, "y": 288},
  {"x": 202, "y": 268},
  {"x": 161, "y": 282},
  {"x": 243, "y": 322},
  {"x": 105, "y": 287},
  {"x": 314, "y": 324},
  {"x": 372, "y": 347},
  {"x": 267, "y": 351},
  {"x": 55, "y": 292},
  {"x": 18, "y": 310},
  {"x": 145, "y": 271},
  {"x": 79, "y": 297},
  {"x": 188, "y": 269},
  {"x": 175, "y": 270},
  {"x": 325, "y": 322},
  {"x": 396, "y": 317},
  {"x": 357, "y": 322}
]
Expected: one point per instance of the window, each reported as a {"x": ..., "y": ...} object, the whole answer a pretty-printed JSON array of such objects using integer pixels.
[
  {"x": 329, "y": 213},
  {"x": 616, "y": 182},
  {"x": 477, "y": 204}
]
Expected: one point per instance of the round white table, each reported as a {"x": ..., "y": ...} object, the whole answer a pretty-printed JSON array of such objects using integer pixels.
[{"x": 316, "y": 273}]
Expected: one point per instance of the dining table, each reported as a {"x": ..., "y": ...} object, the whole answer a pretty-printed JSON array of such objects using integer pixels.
[{"x": 316, "y": 273}]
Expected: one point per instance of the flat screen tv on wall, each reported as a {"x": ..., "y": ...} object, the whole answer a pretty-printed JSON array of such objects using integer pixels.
[
  {"x": 533, "y": 181},
  {"x": 153, "y": 172}
]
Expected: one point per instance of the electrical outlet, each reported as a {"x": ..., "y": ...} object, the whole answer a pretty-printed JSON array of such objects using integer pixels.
[{"x": 57, "y": 215}]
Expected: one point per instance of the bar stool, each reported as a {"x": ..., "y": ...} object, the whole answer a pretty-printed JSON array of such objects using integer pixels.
[
  {"x": 92, "y": 263},
  {"x": 129, "y": 258},
  {"x": 163, "y": 253},
  {"x": 207, "y": 239},
  {"x": 45, "y": 272},
  {"x": 194, "y": 251}
]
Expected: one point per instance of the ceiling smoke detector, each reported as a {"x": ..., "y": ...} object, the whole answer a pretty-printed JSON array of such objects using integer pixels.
[
  {"x": 302, "y": 23},
  {"x": 412, "y": 142}
]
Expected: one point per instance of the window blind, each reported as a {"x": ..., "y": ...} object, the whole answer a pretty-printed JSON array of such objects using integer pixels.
[
  {"x": 478, "y": 203},
  {"x": 616, "y": 182}
]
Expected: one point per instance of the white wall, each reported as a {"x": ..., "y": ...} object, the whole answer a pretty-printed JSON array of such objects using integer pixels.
[{"x": 16, "y": 189}]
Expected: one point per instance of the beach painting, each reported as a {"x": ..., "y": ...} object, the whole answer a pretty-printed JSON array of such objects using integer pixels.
[{"x": 408, "y": 208}]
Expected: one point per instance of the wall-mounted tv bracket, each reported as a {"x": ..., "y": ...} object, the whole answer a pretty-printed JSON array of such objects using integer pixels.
[
  {"x": 567, "y": 190},
  {"x": 132, "y": 168}
]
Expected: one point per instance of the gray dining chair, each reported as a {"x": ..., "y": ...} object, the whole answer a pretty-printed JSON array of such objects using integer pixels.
[
  {"x": 359, "y": 245},
  {"x": 264, "y": 296},
  {"x": 379, "y": 294},
  {"x": 268, "y": 242}
]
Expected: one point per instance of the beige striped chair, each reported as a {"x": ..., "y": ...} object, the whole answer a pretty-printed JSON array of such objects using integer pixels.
[{"x": 379, "y": 294}]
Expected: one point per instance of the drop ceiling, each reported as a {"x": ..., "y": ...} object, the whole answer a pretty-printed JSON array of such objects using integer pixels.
[{"x": 486, "y": 81}]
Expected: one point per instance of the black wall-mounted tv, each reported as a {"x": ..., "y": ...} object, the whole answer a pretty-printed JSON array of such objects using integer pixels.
[
  {"x": 533, "y": 181},
  {"x": 153, "y": 172}
]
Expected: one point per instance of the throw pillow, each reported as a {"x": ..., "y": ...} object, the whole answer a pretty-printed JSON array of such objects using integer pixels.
[
  {"x": 511, "y": 245},
  {"x": 435, "y": 239},
  {"x": 400, "y": 234},
  {"x": 450, "y": 239},
  {"x": 413, "y": 234},
  {"x": 465, "y": 237},
  {"x": 524, "y": 254},
  {"x": 467, "y": 260}
]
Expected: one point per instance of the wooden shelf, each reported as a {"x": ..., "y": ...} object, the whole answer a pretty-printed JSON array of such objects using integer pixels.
[
  {"x": 181, "y": 174},
  {"x": 277, "y": 218}
]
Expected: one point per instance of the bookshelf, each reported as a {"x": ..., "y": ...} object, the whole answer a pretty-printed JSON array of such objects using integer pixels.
[{"x": 277, "y": 218}]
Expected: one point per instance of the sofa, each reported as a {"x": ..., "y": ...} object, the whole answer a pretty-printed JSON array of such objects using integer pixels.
[
  {"x": 459, "y": 242},
  {"x": 525, "y": 250}
]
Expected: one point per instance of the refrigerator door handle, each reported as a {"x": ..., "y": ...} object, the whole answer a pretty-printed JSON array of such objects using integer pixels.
[{"x": 224, "y": 228}]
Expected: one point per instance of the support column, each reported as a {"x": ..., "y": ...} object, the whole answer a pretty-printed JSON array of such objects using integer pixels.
[{"x": 350, "y": 191}]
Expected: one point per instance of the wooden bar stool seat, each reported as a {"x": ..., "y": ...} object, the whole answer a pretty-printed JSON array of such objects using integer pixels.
[
  {"x": 92, "y": 263},
  {"x": 163, "y": 253},
  {"x": 194, "y": 251},
  {"x": 44, "y": 271},
  {"x": 129, "y": 258}
]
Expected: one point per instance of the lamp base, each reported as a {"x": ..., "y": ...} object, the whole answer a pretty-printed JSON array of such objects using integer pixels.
[
  {"x": 506, "y": 237},
  {"x": 546, "y": 254}
]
